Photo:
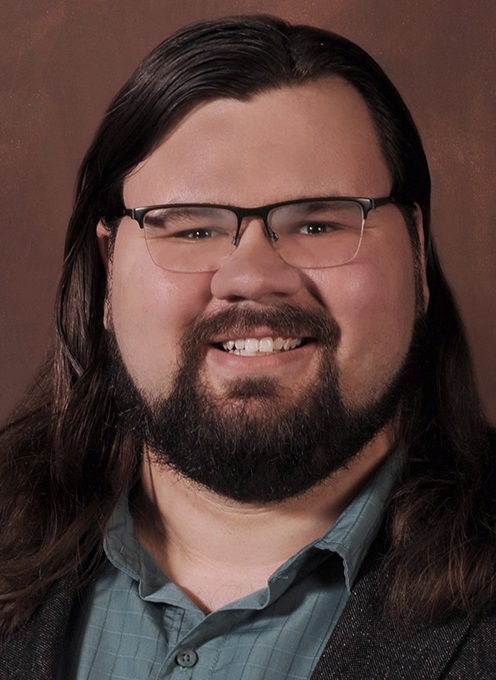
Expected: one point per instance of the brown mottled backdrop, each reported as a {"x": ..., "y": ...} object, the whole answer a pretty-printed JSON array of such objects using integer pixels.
[{"x": 62, "y": 60}]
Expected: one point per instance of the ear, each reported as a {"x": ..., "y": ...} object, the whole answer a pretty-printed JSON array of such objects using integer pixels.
[
  {"x": 103, "y": 235},
  {"x": 421, "y": 260}
]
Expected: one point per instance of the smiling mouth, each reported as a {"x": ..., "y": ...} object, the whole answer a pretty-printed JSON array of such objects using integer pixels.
[{"x": 260, "y": 347}]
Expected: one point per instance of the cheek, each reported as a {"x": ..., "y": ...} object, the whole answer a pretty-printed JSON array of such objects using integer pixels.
[
  {"x": 375, "y": 310},
  {"x": 150, "y": 310},
  {"x": 377, "y": 307}
]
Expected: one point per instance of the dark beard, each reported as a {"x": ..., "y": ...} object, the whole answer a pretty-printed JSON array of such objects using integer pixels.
[{"x": 253, "y": 445}]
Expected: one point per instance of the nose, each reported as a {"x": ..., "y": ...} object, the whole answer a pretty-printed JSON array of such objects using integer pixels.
[{"x": 255, "y": 269}]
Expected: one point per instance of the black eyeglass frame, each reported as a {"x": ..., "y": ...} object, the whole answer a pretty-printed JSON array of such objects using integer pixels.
[{"x": 262, "y": 211}]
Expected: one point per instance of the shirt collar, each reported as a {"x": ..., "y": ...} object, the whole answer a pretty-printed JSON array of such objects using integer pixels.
[
  {"x": 357, "y": 526},
  {"x": 350, "y": 537}
]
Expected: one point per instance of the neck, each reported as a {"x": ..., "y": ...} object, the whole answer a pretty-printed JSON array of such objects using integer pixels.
[{"x": 217, "y": 549}]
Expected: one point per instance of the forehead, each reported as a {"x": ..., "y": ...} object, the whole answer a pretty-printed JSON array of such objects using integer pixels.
[{"x": 312, "y": 139}]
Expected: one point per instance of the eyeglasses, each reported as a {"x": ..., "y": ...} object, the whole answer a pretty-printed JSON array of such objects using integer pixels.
[{"x": 308, "y": 233}]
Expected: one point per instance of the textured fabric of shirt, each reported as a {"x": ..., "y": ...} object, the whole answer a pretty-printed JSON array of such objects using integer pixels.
[{"x": 135, "y": 624}]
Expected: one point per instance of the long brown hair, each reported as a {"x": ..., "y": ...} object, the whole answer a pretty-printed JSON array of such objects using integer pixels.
[{"x": 65, "y": 459}]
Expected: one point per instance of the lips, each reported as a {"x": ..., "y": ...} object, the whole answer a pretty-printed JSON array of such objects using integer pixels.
[
  {"x": 261, "y": 332},
  {"x": 260, "y": 346}
]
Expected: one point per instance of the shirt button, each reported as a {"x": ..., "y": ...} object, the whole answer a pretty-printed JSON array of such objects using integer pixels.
[{"x": 186, "y": 658}]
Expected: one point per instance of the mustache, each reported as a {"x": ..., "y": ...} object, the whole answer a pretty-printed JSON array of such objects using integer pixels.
[{"x": 284, "y": 319}]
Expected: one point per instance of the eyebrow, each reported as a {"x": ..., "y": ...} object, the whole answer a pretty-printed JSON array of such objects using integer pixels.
[
  {"x": 156, "y": 215},
  {"x": 312, "y": 206}
]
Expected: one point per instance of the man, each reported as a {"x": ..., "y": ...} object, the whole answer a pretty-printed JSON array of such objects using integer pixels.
[{"x": 256, "y": 450}]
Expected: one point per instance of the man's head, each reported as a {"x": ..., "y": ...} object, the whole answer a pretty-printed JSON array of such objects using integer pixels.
[
  {"x": 248, "y": 112},
  {"x": 279, "y": 421}
]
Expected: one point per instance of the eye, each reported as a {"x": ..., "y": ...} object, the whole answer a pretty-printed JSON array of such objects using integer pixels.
[
  {"x": 317, "y": 228},
  {"x": 196, "y": 234}
]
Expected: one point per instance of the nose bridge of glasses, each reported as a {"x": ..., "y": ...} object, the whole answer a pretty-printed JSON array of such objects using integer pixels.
[{"x": 261, "y": 213}]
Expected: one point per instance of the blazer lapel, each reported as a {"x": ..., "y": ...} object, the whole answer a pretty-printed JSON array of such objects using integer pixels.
[{"x": 366, "y": 645}]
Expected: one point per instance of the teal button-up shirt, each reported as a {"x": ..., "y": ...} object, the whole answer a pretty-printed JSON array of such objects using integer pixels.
[{"x": 135, "y": 624}]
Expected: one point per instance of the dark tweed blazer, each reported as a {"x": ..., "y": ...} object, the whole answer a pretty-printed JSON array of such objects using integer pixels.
[{"x": 363, "y": 646}]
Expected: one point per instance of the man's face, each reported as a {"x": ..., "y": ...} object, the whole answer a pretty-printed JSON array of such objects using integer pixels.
[{"x": 311, "y": 140}]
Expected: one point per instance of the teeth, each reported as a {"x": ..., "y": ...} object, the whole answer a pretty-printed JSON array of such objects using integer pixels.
[
  {"x": 266, "y": 345},
  {"x": 252, "y": 346}
]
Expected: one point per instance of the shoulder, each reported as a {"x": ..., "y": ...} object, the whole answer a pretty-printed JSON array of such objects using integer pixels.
[{"x": 33, "y": 651}]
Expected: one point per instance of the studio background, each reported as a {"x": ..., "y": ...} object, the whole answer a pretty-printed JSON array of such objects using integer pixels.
[{"x": 61, "y": 61}]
